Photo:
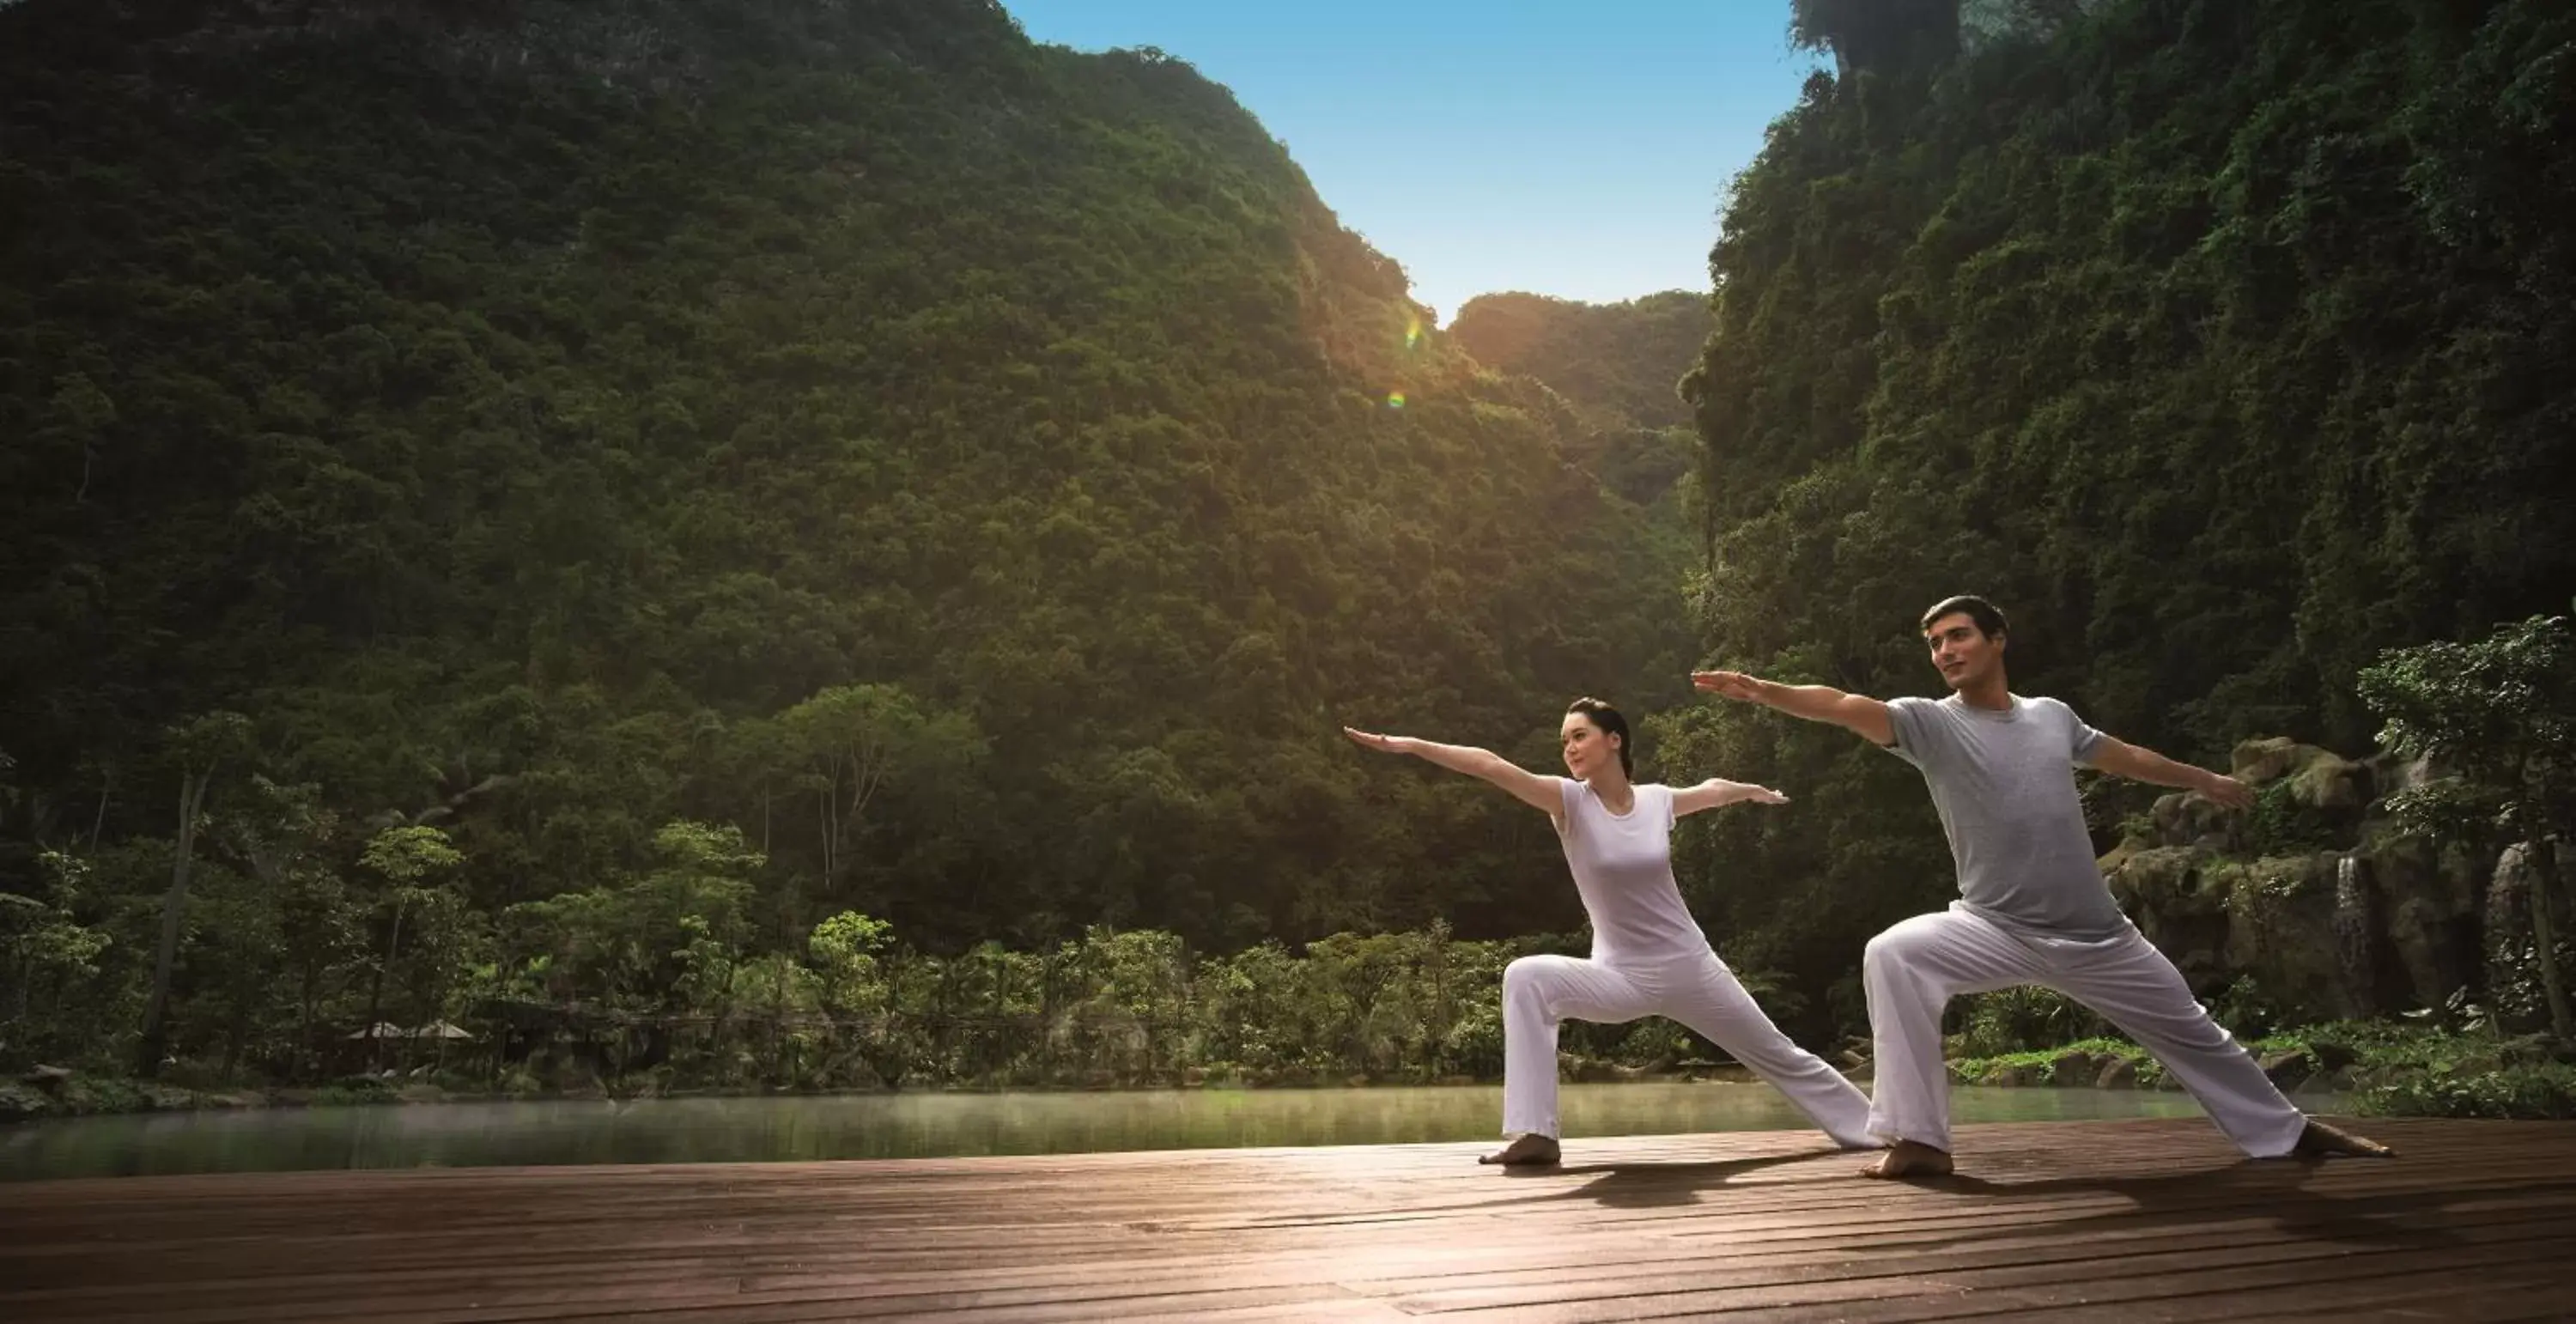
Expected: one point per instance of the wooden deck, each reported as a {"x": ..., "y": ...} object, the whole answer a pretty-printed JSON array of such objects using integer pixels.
[{"x": 2111, "y": 1220}]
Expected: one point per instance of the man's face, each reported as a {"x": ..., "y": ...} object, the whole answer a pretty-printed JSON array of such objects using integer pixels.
[{"x": 1962, "y": 652}]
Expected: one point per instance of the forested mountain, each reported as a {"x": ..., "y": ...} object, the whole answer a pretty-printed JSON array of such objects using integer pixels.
[
  {"x": 2223, "y": 343},
  {"x": 1620, "y": 365},
  {"x": 1621, "y": 358},
  {"x": 981, "y": 474}
]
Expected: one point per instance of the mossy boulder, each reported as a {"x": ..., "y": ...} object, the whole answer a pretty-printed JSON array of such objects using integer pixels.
[
  {"x": 2290, "y": 1068},
  {"x": 2284, "y": 923},
  {"x": 2263, "y": 761},
  {"x": 2178, "y": 896},
  {"x": 2431, "y": 905},
  {"x": 2192, "y": 820},
  {"x": 2331, "y": 783},
  {"x": 2332, "y": 1054},
  {"x": 2078, "y": 1068},
  {"x": 20, "y": 1102}
]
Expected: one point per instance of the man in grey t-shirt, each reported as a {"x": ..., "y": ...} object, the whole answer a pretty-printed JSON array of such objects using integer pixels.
[{"x": 2032, "y": 906}]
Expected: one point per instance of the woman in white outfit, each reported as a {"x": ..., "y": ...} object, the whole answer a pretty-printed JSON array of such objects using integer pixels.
[{"x": 1648, "y": 956}]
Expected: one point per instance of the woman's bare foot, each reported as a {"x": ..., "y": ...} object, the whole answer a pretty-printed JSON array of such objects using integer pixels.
[
  {"x": 1532, "y": 1150},
  {"x": 2321, "y": 1141},
  {"x": 1907, "y": 1158}
]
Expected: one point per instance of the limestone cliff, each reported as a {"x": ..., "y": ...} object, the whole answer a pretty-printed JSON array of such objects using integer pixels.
[{"x": 2315, "y": 897}]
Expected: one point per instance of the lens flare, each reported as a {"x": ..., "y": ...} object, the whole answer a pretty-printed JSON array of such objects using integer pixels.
[
  {"x": 1412, "y": 332},
  {"x": 1395, "y": 399}
]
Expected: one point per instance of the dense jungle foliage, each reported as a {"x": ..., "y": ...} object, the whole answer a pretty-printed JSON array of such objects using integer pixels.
[
  {"x": 2218, "y": 340},
  {"x": 701, "y": 471},
  {"x": 682, "y": 519}
]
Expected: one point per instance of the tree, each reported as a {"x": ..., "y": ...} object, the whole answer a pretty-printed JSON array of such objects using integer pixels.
[
  {"x": 412, "y": 860},
  {"x": 200, "y": 748},
  {"x": 1865, "y": 33},
  {"x": 2498, "y": 719},
  {"x": 700, "y": 895},
  {"x": 48, "y": 950},
  {"x": 653, "y": 939},
  {"x": 854, "y": 738},
  {"x": 847, "y": 947},
  {"x": 283, "y": 835}
]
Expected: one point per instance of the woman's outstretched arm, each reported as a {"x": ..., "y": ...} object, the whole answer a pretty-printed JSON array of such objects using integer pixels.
[
  {"x": 1719, "y": 791},
  {"x": 1530, "y": 788}
]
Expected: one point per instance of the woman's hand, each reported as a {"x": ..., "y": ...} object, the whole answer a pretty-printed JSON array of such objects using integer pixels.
[
  {"x": 1530, "y": 789},
  {"x": 1382, "y": 744},
  {"x": 1718, "y": 791}
]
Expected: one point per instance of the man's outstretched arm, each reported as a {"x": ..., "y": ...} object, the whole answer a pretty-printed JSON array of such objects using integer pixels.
[
  {"x": 2122, "y": 759},
  {"x": 2126, "y": 761},
  {"x": 1857, "y": 713}
]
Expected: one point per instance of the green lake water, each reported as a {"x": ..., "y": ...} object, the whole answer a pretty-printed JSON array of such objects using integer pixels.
[{"x": 925, "y": 1125}]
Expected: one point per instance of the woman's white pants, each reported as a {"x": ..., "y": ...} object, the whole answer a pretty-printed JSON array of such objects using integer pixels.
[
  {"x": 1912, "y": 970},
  {"x": 1700, "y": 992}
]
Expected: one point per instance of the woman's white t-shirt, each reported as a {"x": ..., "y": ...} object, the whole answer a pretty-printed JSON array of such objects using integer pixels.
[{"x": 1623, "y": 867}]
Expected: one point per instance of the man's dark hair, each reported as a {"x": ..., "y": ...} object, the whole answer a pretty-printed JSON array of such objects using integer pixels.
[
  {"x": 1607, "y": 720},
  {"x": 1989, "y": 618}
]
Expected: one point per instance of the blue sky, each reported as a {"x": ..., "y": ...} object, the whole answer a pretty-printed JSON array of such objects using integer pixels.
[{"x": 1564, "y": 147}]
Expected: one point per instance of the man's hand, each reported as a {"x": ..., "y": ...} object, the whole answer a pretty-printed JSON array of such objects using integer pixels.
[
  {"x": 1730, "y": 685},
  {"x": 2122, "y": 759},
  {"x": 2228, "y": 792}
]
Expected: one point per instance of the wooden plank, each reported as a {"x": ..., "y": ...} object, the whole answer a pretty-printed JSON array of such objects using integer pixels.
[
  {"x": 2174, "y": 1259},
  {"x": 1978, "y": 1295},
  {"x": 2159, "y": 1218}
]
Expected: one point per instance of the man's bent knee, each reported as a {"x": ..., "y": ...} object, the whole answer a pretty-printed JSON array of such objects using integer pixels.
[
  {"x": 1521, "y": 978},
  {"x": 1893, "y": 949}
]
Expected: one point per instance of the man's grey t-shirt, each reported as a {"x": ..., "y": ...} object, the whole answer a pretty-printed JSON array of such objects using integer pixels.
[{"x": 2004, "y": 782}]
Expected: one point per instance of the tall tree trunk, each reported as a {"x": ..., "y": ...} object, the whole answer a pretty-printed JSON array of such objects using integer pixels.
[
  {"x": 235, "y": 1030},
  {"x": 2544, "y": 936},
  {"x": 305, "y": 995},
  {"x": 376, "y": 990},
  {"x": 823, "y": 819},
  {"x": 98, "y": 821},
  {"x": 192, "y": 795},
  {"x": 779, "y": 1077}
]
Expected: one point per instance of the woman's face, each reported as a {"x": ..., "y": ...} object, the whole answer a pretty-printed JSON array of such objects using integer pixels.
[{"x": 1588, "y": 748}]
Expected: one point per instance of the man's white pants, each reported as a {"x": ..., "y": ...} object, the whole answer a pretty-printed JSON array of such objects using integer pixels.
[
  {"x": 1912, "y": 970},
  {"x": 1700, "y": 992}
]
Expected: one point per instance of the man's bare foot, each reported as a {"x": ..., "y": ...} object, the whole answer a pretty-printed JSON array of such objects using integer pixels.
[
  {"x": 2322, "y": 1141},
  {"x": 1532, "y": 1150},
  {"x": 1907, "y": 1158}
]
